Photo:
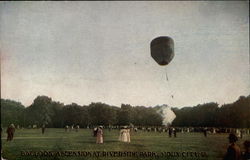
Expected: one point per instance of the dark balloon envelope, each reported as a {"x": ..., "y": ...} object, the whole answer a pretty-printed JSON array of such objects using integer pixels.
[{"x": 162, "y": 50}]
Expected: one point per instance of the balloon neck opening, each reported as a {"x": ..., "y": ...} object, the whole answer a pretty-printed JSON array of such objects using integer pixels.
[{"x": 163, "y": 63}]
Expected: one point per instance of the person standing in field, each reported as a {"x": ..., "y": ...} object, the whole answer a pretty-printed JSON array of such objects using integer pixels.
[
  {"x": 10, "y": 132},
  {"x": 170, "y": 132},
  {"x": 66, "y": 128},
  {"x": 77, "y": 128},
  {"x": 128, "y": 134},
  {"x": 233, "y": 150},
  {"x": 246, "y": 154},
  {"x": 124, "y": 134},
  {"x": 43, "y": 128},
  {"x": 135, "y": 129},
  {"x": 205, "y": 131},
  {"x": 72, "y": 128},
  {"x": 99, "y": 135},
  {"x": 95, "y": 132},
  {"x": 175, "y": 132},
  {"x": 241, "y": 133}
]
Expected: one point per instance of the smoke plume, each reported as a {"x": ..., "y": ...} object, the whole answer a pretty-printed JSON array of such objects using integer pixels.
[{"x": 167, "y": 114}]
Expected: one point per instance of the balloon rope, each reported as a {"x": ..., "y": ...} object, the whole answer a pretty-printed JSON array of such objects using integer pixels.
[
  {"x": 171, "y": 94},
  {"x": 166, "y": 75}
]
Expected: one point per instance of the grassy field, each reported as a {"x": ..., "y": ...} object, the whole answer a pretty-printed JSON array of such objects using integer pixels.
[{"x": 158, "y": 145}]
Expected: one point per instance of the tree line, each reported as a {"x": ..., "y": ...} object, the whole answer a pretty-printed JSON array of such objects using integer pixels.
[
  {"x": 233, "y": 115},
  {"x": 44, "y": 110}
]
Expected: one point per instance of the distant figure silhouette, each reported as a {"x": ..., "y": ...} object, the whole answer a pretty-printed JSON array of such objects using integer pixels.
[
  {"x": 233, "y": 150},
  {"x": 66, "y": 128},
  {"x": 241, "y": 133},
  {"x": 246, "y": 154},
  {"x": 95, "y": 132},
  {"x": 175, "y": 132},
  {"x": 205, "y": 132},
  {"x": 43, "y": 128},
  {"x": 170, "y": 132},
  {"x": 77, "y": 128},
  {"x": 10, "y": 132}
]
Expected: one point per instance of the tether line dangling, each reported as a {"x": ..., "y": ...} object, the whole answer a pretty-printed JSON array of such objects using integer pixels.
[
  {"x": 166, "y": 70},
  {"x": 166, "y": 75},
  {"x": 171, "y": 94},
  {"x": 162, "y": 51}
]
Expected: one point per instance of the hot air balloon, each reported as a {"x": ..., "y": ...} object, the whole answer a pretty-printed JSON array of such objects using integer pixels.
[{"x": 162, "y": 50}]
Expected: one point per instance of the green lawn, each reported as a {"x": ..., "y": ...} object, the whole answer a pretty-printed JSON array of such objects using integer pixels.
[{"x": 59, "y": 140}]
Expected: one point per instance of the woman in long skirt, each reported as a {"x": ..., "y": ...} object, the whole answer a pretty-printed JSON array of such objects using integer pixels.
[
  {"x": 99, "y": 135},
  {"x": 124, "y": 135},
  {"x": 128, "y": 135}
]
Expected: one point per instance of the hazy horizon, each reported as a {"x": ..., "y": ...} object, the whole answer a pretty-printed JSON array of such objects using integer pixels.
[
  {"x": 85, "y": 52},
  {"x": 125, "y": 103}
]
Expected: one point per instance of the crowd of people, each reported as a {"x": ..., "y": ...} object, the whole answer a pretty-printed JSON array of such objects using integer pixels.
[
  {"x": 233, "y": 151},
  {"x": 72, "y": 128},
  {"x": 124, "y": 135}
]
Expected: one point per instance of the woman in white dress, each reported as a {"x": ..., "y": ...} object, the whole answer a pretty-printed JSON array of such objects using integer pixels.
[
  {"x": 128, "y": 135},
  {"x": 124, "y": 135}
]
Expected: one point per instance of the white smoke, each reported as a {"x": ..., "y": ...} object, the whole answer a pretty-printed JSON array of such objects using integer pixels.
[{"x": 167, "y": 114}]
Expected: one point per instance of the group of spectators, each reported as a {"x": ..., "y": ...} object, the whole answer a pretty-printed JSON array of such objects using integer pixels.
[{"x": 233, "y": 151}]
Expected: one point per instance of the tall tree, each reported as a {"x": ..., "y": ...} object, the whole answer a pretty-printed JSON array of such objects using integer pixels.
[
  {"x": 12, "y": 112},
  {"x": 40, "y": 111}
]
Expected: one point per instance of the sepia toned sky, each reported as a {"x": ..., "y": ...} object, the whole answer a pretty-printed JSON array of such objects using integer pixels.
[{"x": 87, "y": 52}]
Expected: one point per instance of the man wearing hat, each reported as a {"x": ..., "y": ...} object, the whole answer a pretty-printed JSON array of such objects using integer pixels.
[{"x": 233, "y": 150}]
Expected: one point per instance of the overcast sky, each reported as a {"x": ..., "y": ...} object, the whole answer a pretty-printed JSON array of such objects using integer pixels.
[{"x": 87, "y": 52}]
